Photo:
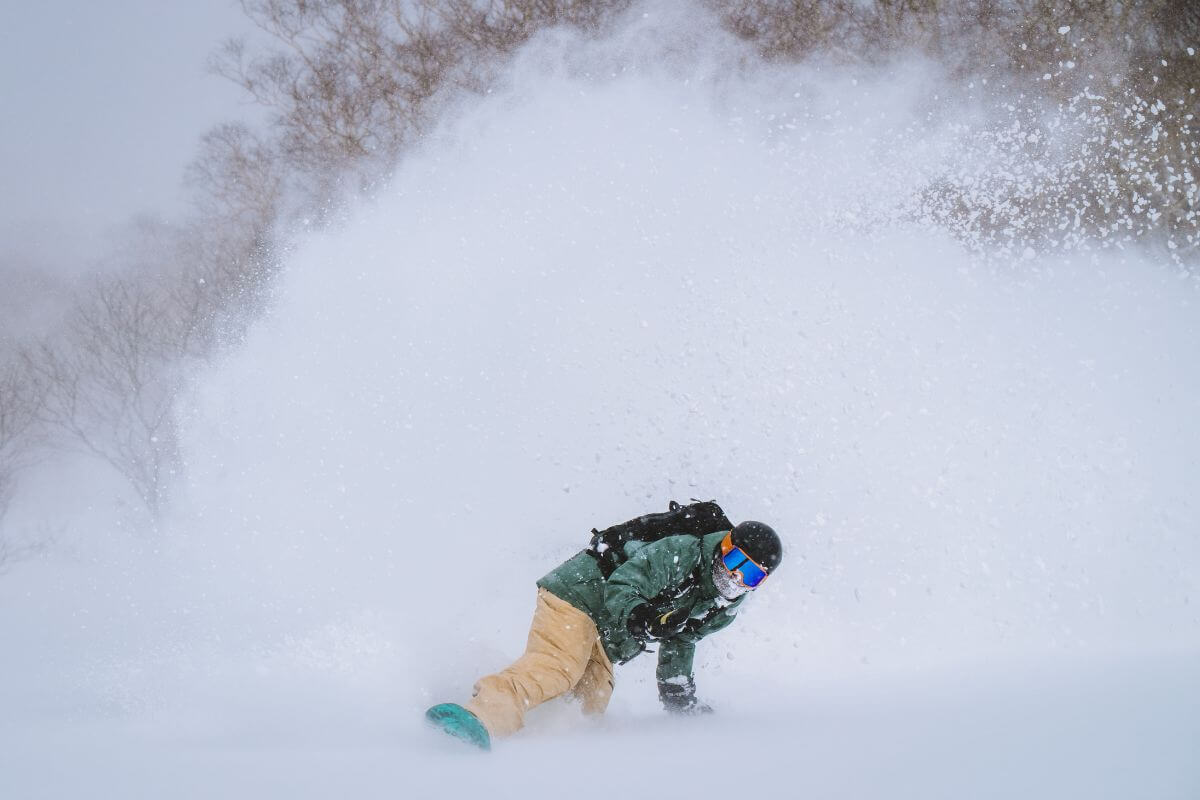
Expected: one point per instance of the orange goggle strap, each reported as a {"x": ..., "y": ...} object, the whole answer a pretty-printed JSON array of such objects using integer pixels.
[{"x": 727, "y": 546}]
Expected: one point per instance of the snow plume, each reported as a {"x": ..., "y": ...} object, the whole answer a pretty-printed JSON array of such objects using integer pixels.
[{"x": 645, "y": 270}]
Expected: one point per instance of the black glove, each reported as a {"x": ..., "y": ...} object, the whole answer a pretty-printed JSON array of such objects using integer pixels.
[
  {"x": 678, "y": 696},
  {"x": 646, "y": 624}
]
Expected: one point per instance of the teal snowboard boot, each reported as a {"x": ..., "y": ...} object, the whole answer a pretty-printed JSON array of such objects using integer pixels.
[{"x": 459, "y": 723}]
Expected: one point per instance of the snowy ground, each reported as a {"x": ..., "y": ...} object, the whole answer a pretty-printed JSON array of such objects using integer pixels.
[
  {"x": 1110, "y": 730},
  {"x": 582, "y": 299}
]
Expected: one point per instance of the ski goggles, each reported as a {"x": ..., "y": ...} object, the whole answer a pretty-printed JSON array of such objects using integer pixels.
[{"x": 741, "y": 565}]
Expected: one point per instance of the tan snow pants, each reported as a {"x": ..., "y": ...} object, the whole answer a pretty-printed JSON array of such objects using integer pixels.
[{"x": 563, "y": 654}]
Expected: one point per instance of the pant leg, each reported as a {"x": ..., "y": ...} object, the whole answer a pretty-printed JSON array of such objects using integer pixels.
[
  {"x": 595, "y": 688},
  {"x": 560, "y": 645}
]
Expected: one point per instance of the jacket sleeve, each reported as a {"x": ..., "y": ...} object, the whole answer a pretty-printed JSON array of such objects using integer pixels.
[
  {"x": 675, "y": 674},
  {"x": 675, "y": 663},
  {"x": 648, "y": 573}
]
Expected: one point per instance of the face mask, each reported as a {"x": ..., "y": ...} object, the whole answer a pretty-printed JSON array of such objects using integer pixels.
[{"x": 728, "y": 586}]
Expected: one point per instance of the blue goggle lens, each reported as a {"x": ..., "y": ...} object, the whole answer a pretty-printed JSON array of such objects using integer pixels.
[{"x": 737, "y": 561}]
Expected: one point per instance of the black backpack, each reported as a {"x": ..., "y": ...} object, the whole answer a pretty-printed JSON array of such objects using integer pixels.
[{"x": 696, "y": 519}]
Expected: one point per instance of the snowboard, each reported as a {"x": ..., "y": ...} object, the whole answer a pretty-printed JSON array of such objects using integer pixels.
[{"x": 454, "y": 720}]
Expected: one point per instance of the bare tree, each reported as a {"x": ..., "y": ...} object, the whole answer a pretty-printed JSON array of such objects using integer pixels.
[
  {"x": 237, "y": 178},
  {"x": 351, "y": 83},
  {"x": 497, "y": 27},
  {"x": 239, "y": 181},
  {"x": 347, "y": 79},
  {"x": 1104, "y": 94},
  {"x": 110, "y": 379},
  {"x": 19, "y": 406}
]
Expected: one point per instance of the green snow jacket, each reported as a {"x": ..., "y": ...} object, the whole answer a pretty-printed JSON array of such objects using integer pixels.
[{"x": 671, "y": 573}]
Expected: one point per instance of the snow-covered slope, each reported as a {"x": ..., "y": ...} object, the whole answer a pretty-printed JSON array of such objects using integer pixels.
[
  {"x": 584, "y": 297},
  {"x": 1103, "y": 731}
]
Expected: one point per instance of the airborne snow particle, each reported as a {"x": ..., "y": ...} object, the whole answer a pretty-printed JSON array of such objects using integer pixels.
[{"x": 1065, "y": 29}]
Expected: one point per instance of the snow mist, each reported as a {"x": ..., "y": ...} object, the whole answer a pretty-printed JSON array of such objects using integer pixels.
[{"x": 645, "y": 271}]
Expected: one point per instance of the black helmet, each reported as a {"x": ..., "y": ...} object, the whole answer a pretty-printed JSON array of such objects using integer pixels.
[{"x": 760, "y": 542}]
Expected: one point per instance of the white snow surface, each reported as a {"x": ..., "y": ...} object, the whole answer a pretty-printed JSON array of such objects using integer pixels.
[{"x": 634, "y": 274}]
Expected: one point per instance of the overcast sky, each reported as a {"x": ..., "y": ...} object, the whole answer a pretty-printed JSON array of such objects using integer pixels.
[{"x": 103, "y": 106}]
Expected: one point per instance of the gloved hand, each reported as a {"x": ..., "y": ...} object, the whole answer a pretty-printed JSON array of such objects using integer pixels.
[
  {"x": 678, "y": 696},
  {"x": 646, "y": 624}
]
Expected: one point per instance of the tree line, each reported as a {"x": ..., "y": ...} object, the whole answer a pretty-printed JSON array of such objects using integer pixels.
[{"x": 350, "y": 84}]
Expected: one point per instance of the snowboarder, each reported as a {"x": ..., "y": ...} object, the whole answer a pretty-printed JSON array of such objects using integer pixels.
[{"x": 603, "y": 607}]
